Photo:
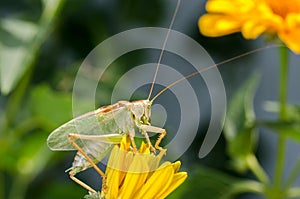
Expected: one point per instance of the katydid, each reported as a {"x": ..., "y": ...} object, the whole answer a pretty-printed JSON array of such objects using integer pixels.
[{"x": 95, "y": 133}]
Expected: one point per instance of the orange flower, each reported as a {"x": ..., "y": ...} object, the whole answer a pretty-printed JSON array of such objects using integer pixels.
[
  {"x": 253, "y": 18},
  {"x": 138, "y": 174}
]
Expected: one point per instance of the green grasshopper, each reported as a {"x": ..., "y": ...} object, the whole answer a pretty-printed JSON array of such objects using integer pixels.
[{"x": 94, "y": 134}]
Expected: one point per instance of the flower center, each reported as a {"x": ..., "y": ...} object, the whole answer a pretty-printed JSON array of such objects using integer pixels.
[{"x": 284, "y": 7}]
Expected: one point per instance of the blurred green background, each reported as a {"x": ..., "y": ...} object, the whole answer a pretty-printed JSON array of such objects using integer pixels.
[{"x": 42, "y": 44}]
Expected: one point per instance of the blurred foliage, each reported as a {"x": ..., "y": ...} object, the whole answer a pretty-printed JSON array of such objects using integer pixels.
[
  {"x": 239, "y": 131},
  {"x": 290, "y": 127},
  {"x": 211, "y": 183}
]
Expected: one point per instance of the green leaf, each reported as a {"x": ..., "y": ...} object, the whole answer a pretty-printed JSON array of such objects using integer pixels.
[
  {"x": 34, "y": 154},
  {"x": 20, "y": 42},
  {"x": 213, "y": 184},
  {"x": 290, "y": 129},
  {"x": 292, "y": 111},
  {"x": 50, "y": 107},
  {"x": 16, "y": 37},
  {"x": 239, "y": 129}
]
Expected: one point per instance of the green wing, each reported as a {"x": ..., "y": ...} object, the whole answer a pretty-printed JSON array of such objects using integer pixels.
[
  {"x": 91, "y": 123},
  {"x": 96, "y": 147}
]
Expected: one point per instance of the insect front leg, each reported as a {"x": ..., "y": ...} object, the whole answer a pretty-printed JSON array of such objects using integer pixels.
[
  {"x": 154, "y": 129},
  {"x": 131, "y": 135},
  {"x": 149, "y": 142}
]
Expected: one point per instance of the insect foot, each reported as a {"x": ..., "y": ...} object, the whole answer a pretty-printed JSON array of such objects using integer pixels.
[
  {"x": 162, "y": 135},
  {"x": 104, "y": 185}
]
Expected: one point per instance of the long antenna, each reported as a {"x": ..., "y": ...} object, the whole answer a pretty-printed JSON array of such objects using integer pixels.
[
  {"x": 163, "y": 48},
  {"x": 210, "y": 67}
]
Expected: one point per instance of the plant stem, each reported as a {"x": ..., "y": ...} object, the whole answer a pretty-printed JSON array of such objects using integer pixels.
[
  {"x": 15, "y": 101},
  {"x": 256, "y": 169},
  {"x": 248, "y": 186},
  {"x": 283, "y": 54}
]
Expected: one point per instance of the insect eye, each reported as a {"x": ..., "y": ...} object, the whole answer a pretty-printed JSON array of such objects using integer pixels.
[{"x": 144, "y": 119}]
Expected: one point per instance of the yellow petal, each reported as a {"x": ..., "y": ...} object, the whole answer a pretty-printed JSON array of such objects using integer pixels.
[
  {"x": 135, "y": 178},
  {"x": 220, "y": 6},
  {"x": 290, "y": 36},
  {"x": 144, "y": 148},
  {"x": 293, "y": 42},
  {"x": 153, "y": 161},
  {"x": 125, "y": 143},
  {"x": 112, "y": 176},
  {"x": 293, "y": 21},
  {"x": 119, "y": 161},
  {"x": 114, "y": 155},
  {"x": 291, "y": 39},
  {"x": 113, "y": 185},
  {"x": 215, "y": 25},
  {"x": 158, "y": 182},
  {"x": 253, "y": 29},
  {"x": 229, "y": 6},
  {"x": 176, "y": 165},
  {"x": 177, "y": 180}
]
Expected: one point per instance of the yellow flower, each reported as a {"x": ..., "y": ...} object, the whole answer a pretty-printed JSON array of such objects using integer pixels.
[
  {"x": 253, "y": 18},
  {"x": 138, "y": 174}
]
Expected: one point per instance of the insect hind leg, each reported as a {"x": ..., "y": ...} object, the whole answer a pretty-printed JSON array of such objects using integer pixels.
[
  {"x": 72, "y": 173},
  {"x": 71, "y": 138},
  {"x": 72, "y": 176}
]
